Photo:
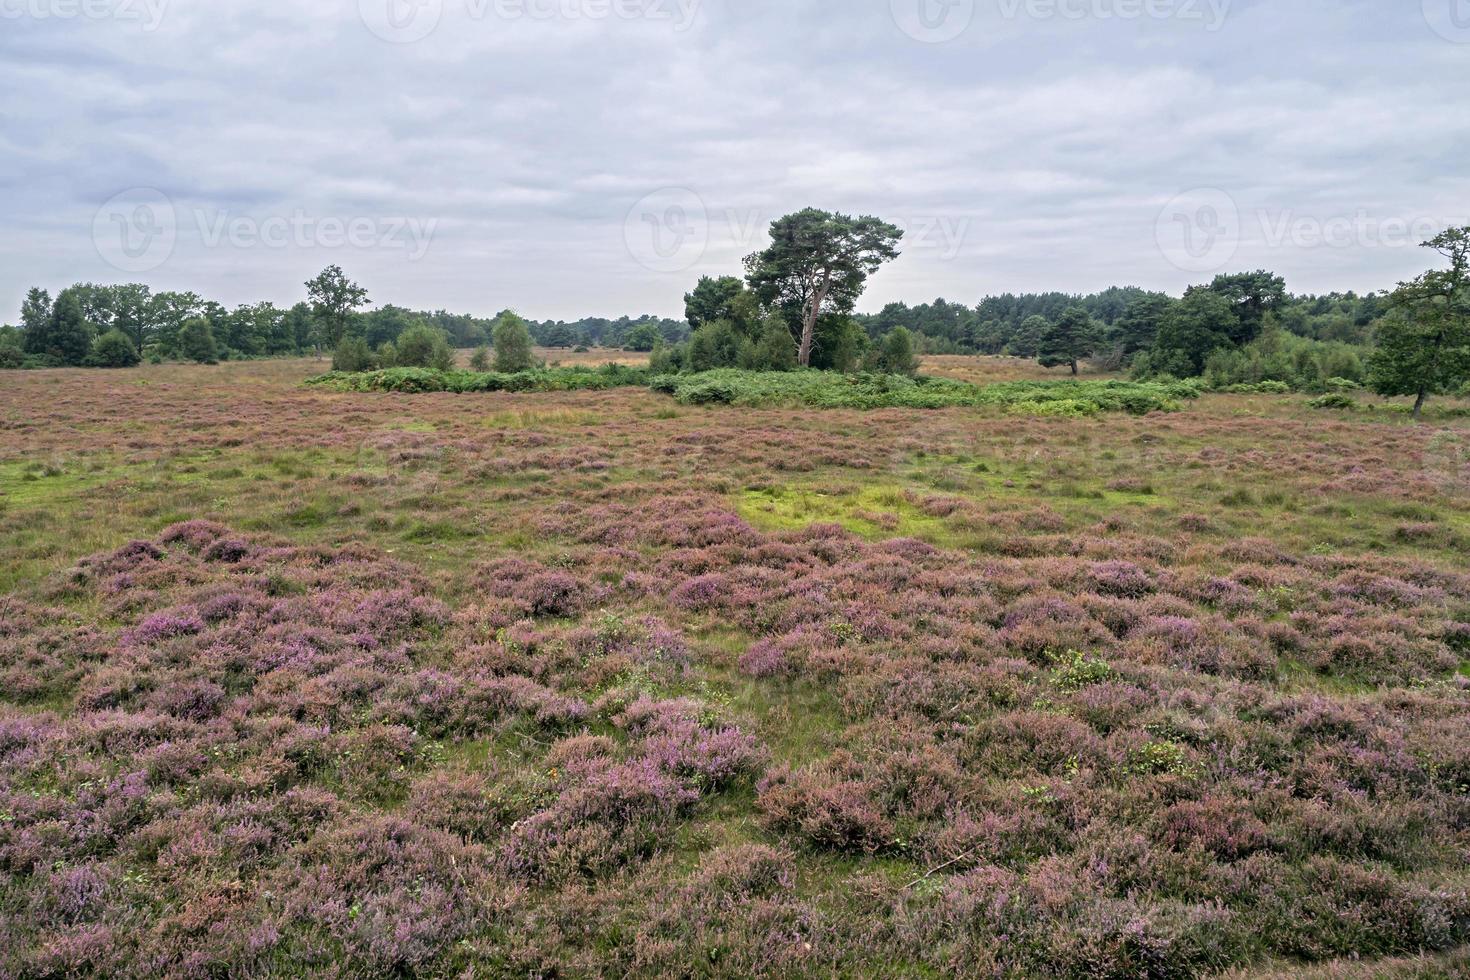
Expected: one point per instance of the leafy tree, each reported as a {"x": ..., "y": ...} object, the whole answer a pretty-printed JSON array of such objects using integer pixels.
[
  {"x": 480, "y": 359},
  {"x": 298, "y": 325},
  {"x": 1424, "y": 347},
  {"x": 896, "y": 354},
  {"x": 353, "y": 355},
  {"x": 774, "y": 349},
  {"x": 66, "y": 338},
  {"x": 1252, "y": 295},
  {"x": 12, "y": 348},
  {"x": 334, "y": 300},
  {"x": 513, "y": 352},
  {"x": 424, "y": 346},
  {"x": 1138, "y": 327},
  {"x": 819, "y": 262},
  {"x": 196, "y": 341},
  {"x": 113, "y": 349},
  {"x": 718, "y": 345},
  {"x": 169, "y": 314},
  {"x": 712, "y": 299},
  {"x": 643, "y": 337},
  {"x": 1071, "y": 339},
  {"x": 1027, "y": 342},
  {"x": 35, "y": 311},
  {"x": 1201, "y": 323}
]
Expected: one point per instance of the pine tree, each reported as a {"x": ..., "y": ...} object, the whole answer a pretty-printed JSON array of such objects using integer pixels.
[{"x": 1072, "y": 338}]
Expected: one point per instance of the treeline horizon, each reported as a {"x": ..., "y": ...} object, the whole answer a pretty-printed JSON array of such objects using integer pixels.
[{"x": 995, "y": 326}]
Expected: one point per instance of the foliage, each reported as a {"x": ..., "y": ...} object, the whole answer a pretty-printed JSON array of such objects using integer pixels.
[
  {"x": 825, "y": 389},
  {"x": 1280, "y": 357},
  {"x": 818, "y": 263},
  {"x": 895, "y": 354},
  {"x": 422, "y": 346},
  {"x": 353, "y": 355},
  {"x": 513, "y": 353},
  {"x": 480, "y": 360},
  {"x": 1071, "y": 339},
  {"x": 196, "y": 341},
  {"x": 334, "y": 301},
  {"x": 113, "y": 350},
  {"x": 403, "y": 379},
  {"x": 1424, "y": 348}
]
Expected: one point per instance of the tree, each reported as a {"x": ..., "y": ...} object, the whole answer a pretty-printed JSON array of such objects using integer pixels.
[
  {"x": 1252, "y": 295},
  {"x": 67, "y": 337},
  {"x": 424, "y": 346},
  {"x": 819, "y": 262},
  {"x": 480, "y": 359},
  {"x": 1424, "y": 345},
  {"x": 513, "y": 345},
  {"x": 114, "y": 349},
  {"x": 334, "y": 299},
  {"x": 196, "y": 341},
  {"x": 12, "y": 347},
  {"x": 1192, "y": 329},
  {"x": 1138, "y": 327},
  {"x": 1027, "y": 341},
  {"x": 1072, "y": 338},
  {"x": 352, "y": 355},
  {"x": 718, "y": 345},
  {"x": 643, "y": 337},
  {"x": 896, "y": 354},
  {"x": 712, "y": 299},
  {"x": 774, "y": 349}
]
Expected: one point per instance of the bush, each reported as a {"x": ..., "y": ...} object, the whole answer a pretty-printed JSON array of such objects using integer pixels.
[
  {"x": 513, "y": 345},
  {"x": 413, "y": 380},
  {"x": 423, "y": 346},
  {"x": 113, "y": 350},
  {"x": 480, "y": 359},
  {"x": 895, "y": 355},
  {"x": 352, "y": 355},
  {"x": 196, "y": 341},
  {"x": 1335, "y": 400}
]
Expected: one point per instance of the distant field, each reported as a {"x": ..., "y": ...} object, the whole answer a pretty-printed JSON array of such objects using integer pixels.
[{"x": 598, "y": 684}]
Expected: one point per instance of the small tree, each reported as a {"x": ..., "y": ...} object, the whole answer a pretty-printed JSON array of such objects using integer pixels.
[
  {"x": 424, "y": 346},
  {"x": 1027, "y": 341},
  {"x": 513, "y": 352},
  {"x": 643, "y": 338},
  {"x": 334, "y": 299},
  {"x": 352, "y": 355},
  {"x": 896, "y": 354},
  {"x": 1424, "y": 346},
  {"x": 774, "y": 349},
  {"x": 196, "y": 341},
  {"x": 1071, "y": 339},
  {"x": 717, "y": 345},
  {"x": 113, "y": 350},
  {"x": 480, "y": 359}
]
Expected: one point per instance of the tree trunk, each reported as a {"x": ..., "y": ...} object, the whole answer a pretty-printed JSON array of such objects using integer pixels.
[
  {"x": 1419, "y": 404},
  {"x": 1074, "y": 369},
  {"x": 808, "y": 335}
]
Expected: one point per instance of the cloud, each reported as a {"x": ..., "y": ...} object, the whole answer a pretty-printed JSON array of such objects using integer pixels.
[{"x": 1032, "y": 150}]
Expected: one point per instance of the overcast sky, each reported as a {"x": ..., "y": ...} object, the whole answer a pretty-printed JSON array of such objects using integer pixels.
[{"x": 595, "y": 157}]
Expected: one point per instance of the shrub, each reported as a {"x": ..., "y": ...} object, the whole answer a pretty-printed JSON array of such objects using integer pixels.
[
  {"x": 480, "y": 359},
  {"x": 196, "y": 341},
  {"x": 423, "y": 346},
  {"x": 512, "y": 340},
  {"x": 1335, "y": 400},
  {"x": 113, "y": 350},
  {"x": 353, "y": 355}
]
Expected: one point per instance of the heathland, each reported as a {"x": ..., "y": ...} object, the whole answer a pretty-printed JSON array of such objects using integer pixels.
[{"x": 606, "y": 682}]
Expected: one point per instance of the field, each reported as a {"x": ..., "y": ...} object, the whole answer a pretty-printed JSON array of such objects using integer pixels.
[{"x": 600, "y": 684}]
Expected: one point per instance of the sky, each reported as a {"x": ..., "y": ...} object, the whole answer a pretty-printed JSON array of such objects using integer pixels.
[{"x": 572, "y": 158}]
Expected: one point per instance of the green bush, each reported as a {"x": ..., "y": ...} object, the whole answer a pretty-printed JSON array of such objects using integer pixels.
[
  {"x": 353, "y": 355},
  {"x": 1335, "y": 400},
  {"x": 423, "y": 346},
  {"x": 415, "y": 380},
  {"x": 113, "y": 349}
]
